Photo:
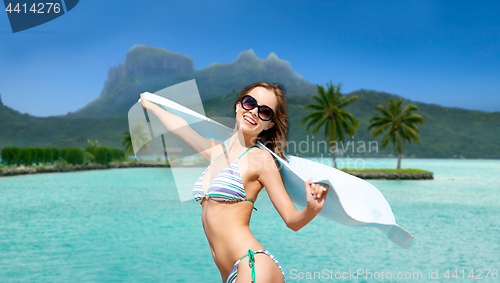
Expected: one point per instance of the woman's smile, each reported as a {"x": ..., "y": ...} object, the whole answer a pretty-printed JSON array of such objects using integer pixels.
[{"x": 249, "y": 120}]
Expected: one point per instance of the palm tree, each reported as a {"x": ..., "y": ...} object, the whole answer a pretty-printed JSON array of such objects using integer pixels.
[
  {"x": 92, "y": 143},
  {"x": 330, "y": 113},
  {"x": 400, "y": 125},
  {"x": 127, "y": 143},
  {"x": 90, "y": 150},
  {"x": 139, "y": 136}
]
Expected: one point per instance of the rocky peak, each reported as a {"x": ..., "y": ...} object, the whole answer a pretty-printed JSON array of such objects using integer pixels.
[
  {"x": 246, "y": 56},
  {"x": 273, "y": 62},
  {"x": 142, "y": 59}
]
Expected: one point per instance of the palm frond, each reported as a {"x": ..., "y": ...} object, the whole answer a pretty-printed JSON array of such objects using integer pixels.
[
  {"x": 406, "y": 111},
  {"x": 348, "y": 101},
  {"x": 378, "y": 123},
  {"x": 348, "y": 128},
  {"x": 384, "y": 111},
  {"x": 411, "y": 133},
  {"x": 321, "y": 102},
  {"x": 413, "y": 118},
  {"x": 352, "y": 119},
  {"x": 377, "y": 119},
  {"x": 322, "y": 95},
  {"x": 380, "y": 128},
  {"x": 385, "y": 140},
  {"x": 339, "y": 129},
  {"x": 320, "y": 123},
  {"x": 316, "y": 115},
  {"x": 314, "y": 107}
]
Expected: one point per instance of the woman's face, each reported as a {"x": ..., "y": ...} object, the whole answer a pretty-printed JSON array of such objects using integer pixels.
[{"x": 249, "y": 120}]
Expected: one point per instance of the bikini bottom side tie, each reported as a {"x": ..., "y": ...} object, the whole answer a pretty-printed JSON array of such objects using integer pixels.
[{"x": 231, "y": 277}]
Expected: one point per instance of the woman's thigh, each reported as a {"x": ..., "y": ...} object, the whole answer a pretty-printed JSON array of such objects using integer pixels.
[{"x": 266, "y": 270}]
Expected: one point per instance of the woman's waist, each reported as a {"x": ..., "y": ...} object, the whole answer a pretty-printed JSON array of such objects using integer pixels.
[
  {"x": 229, "y": 250},
  {"x": 221, "y": 230}
]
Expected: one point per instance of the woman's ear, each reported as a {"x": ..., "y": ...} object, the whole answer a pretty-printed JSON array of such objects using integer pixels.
[{"x": 271, "y": 124}]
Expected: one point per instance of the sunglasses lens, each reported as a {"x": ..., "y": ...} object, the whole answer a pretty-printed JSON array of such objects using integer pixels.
[
  {"x": 265, "y": 113},
  {"x": 248, "y": 102}
]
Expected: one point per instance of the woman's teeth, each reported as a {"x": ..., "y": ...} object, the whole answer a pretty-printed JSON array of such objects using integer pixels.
[{"x": 249, "y": 121}]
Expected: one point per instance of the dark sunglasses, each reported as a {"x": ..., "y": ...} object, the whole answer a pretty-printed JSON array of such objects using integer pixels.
[{"x": 249, "y": 103}]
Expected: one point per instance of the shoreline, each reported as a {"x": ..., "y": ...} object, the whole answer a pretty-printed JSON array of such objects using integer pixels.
[
  {"x": 22, "y": 170},
  {"x": 370, "y": 174},
  {"x": 381, "y": 175}
]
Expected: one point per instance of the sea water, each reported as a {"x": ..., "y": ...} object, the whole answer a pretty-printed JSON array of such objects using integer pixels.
[{"x": 128, "y": 225}]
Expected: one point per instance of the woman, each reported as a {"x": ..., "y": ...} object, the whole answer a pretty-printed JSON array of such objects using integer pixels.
[{"x": 229, "y": 186}]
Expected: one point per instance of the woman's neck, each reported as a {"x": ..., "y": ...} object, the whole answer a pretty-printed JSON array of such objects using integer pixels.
[{"x": 240, "y": 140}]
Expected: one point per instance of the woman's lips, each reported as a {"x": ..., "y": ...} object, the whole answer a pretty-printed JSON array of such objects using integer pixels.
[{"x": 247, "y": 120}]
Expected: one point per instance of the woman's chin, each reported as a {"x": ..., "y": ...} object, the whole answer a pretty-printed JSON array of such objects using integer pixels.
[{"x": 247, "y": 129}]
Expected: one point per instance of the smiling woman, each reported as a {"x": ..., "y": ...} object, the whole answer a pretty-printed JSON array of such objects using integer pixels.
[
  {"x": 241, "y": 166},
  {"x": 266, "y": 94},
  {"x": 229, "y": 186}
]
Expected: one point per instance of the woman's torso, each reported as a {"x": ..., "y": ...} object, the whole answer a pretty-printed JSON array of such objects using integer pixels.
[{"x": 226, "y": 223}]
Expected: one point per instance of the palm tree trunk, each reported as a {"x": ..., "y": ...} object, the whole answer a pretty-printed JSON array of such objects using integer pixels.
[
  {"x": 399, "y": 160},
  {"x": 334, "y": 161},
  {"x": 333, "y": 153}
]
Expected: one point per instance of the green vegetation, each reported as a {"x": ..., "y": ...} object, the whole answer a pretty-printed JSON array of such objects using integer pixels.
[
  {"x": 103, "y": 155},
  {"x": 56, "y": 152},
  {"x": 74, "y": 156},
  {"x": 90, "y": 150},
  {"x": 448, "y": 132},
  {"x": 39, "y": 155},
  {"x": 329, "y": 113},
  {"x": 27, "y": 156},
  {"x": 140, "y": 136},
  {"x": 49, "y": 155},
  {"x": 399, "y": 124},
  {"x": 10, "y": 155},
  {"x": 127, "y": 143},
  {"x": 88, "y": 157}
]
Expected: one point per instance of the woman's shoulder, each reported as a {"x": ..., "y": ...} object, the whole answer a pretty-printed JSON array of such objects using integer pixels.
[{"x": 263, "y": 157}]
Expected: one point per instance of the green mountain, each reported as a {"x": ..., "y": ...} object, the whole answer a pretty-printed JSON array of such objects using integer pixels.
[
  {"x": 447, "y": 132},
  {"x": 151, "y": 69},
  {"x": 25, "y": 130}
]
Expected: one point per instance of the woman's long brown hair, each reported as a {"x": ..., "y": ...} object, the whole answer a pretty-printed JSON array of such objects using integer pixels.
[{"x": 275, "y": 137}]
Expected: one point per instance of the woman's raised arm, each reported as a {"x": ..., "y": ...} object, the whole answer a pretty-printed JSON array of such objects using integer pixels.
[
  {"x": 270, "y": 178},
  {"x": 179, "y": 127}
]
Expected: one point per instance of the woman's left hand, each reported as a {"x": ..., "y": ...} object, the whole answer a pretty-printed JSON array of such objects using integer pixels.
[{"x": 316, "y": 195}]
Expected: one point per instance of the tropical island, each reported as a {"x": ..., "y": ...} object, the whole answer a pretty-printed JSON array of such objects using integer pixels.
[
  {"x": 366, "y": 116},
  {"x": 398, "y": 123}
]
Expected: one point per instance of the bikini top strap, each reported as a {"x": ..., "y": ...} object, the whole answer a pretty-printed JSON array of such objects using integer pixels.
[
  {"x": 237, "y": 158},
  {"x": 246, "y": 151},
  {"x": 218, "y": 157}
]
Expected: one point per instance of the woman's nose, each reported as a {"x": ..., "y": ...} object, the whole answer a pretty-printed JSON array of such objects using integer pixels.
[{"x": 255, "y": 112}]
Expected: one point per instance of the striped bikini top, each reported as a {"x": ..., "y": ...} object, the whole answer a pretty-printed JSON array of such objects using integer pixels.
[{"x": 226, "y": 186}]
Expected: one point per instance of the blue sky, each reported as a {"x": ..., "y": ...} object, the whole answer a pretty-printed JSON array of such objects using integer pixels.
[{"x": 442, "y": 52}]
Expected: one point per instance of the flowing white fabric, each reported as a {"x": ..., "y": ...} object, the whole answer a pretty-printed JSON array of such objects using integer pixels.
[{"x": 350, "y": 201}]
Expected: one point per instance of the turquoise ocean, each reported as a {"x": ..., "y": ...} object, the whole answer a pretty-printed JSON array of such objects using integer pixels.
[{"x": 128, "y": 225}]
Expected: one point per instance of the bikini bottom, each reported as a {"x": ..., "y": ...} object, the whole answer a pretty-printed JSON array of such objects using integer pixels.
[{"x": 231, "y": 278}]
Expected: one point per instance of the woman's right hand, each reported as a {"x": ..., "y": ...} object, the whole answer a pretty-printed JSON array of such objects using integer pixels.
[
  {"x": 143, "y": 102},
  {"x": 316, "y": 195}
]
